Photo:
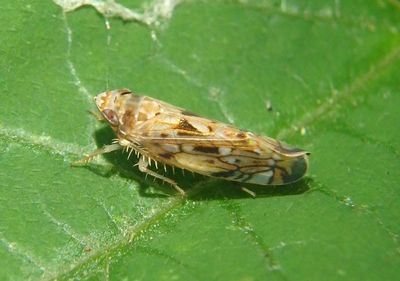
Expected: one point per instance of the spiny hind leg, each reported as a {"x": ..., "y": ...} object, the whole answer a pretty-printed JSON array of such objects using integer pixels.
[
  {"x": 104, "y": 149},
  {"x": 143, "y": 164}
]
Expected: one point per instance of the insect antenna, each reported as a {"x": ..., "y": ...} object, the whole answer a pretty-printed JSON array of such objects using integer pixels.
[{"x": 108, "y": 47}]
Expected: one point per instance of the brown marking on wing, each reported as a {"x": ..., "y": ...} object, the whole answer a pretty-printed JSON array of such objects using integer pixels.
[
  {"x": 167, "y": 155},
  {"x": 206, "y": 149},
  {"x": 250, "y": 151},
  {"x": 186, "y": 133},
  {"x": 185, "y": 125},
  {"x": 241, "y": 135}
]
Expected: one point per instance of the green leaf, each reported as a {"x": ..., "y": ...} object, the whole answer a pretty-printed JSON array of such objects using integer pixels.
[{"x": 328, "y": 72}]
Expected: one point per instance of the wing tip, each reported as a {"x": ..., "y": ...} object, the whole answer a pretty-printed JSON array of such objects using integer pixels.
[{"x": 298, "y": 169}]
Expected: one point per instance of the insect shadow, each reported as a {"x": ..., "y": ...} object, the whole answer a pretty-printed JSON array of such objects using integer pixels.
[
  {"x": 216, "y": 189},
  {"x": 120, "y": 165},
  {"x": 205, "y": 188}
]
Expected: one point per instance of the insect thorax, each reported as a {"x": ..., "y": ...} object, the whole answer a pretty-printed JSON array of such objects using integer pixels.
[{"x": 132, "y": 111}]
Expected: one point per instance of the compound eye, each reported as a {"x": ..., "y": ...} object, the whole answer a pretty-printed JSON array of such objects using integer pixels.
[{"x": 111, "y": 117}]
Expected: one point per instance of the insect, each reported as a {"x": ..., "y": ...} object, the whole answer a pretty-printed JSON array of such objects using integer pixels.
[{"x": 159, "y": 132}]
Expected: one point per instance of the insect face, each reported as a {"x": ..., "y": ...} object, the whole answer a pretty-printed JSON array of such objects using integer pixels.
[{"x": 109, "y": 104}]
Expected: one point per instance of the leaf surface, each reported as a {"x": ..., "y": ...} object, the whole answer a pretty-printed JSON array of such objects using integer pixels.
[{"x": 322, "y": 76}]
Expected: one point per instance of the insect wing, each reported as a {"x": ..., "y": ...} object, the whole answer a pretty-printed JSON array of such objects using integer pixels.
[{"x": 219, "y": 150}]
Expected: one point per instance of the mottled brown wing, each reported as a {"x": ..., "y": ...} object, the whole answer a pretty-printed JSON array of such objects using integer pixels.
[{"x": 215, "y": 149}]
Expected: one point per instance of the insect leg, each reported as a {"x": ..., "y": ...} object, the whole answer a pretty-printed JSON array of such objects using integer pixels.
[
  {"x": 104, "y": 149},
  {"x": 248, "y": 191},
  {"x": 143, "y": 168}
]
